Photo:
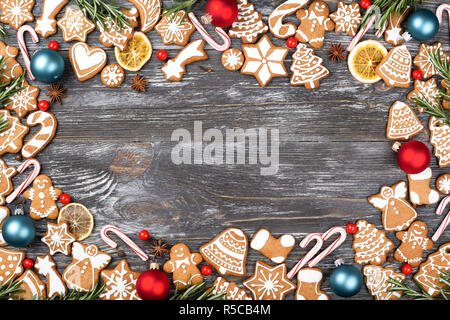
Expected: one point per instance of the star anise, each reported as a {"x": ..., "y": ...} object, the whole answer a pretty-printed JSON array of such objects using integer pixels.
[
  {"x": 139, "y": 83},
  {"x": 336, "y": 53},
  {"x": 56, "y": 93},
  {"x": 159, "y": 248}
]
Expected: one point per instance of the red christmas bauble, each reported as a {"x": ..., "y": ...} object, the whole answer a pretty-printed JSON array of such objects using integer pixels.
[
  {"x": 144, "y": 235},
  {"x": 413, "y": 157},
  {"x": 351, "y": 228},
  {"x": 43, "y": 105},
  {"x": 161, "y": 55},
  {"x": 153, "y": 285},
  {"x": 28, "y": 263},
  {"x": 206, "y": 270},
  {"x": 291, "y": 42},
  {"x": 417, "y": 74},
  {"x": 365, "y": 4},
  {"x": 64, "y": 198},
  {"x": 406, "y": 269},
  {"x": 53, "y": 45},
  {"x": 223, "y": 12}
]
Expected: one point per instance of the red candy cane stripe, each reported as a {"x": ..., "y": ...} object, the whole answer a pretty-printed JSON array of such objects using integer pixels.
[
  {"x": 440, "y": 10},
  {"x": 125, "y": 239},
  {"x": 331, "y": 247},
  {"x": 442, "y": 205},
  {"x": 362, "y": 32},
  {"x": 36, "y": 169},
  {"x": 310, "y": 254},
  {"x": 208, "y": 38},
  {"x": 445, "y": 222},
  {"x": 23, "y": 46}
]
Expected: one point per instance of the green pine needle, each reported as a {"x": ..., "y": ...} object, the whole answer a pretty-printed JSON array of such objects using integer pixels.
[
  {"x": 2, "y": 32},
  {"x": 442, "y": 66},
  {"x": 8, "y": 290},
  {"x": 436, "y": 110},
  {"x": 102, "y": 11},
  {"x": 411, "y": 293},
  {"x": 197, "y": 292},
  {"x": 186, "y": 5},
  {"x": 8, "y": 90},
  {"x": 90, "y": 295}
]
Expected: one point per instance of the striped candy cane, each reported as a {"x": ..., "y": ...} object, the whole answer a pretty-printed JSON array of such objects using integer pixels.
[
  {"x": 208, "y": 38},
  {"x": 23, "y": 46},
  {"x": 36, "y": 169},
  {"x": 440, "y": 10},
  {"x": 122, "y": 236},
  {"x": 362, "y": 32},
  {"x": 331, "y": 247},
  {"x": 309, "y": 255},
  {"x": 440, "y": 209}
]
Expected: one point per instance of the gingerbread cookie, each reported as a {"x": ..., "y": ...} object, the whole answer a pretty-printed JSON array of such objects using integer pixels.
[
  {"x": 347, "y": 18},
  {"x": 370, "y": 244},
  {"x": 275, "y": 249},
  {"x": 314, "y": 21},
  {"x": 175, "y": 68},
  {"x": 309, "y": 281},
  {"x": 6, "y": 186},
  {"x": 264, "y": 61},
  {"x": 231, "y": 290},
  {"x": 46, "y": 24},
  {"x": 269, "y": 283},
  {"x": 446, "y": 102},
  {"x": 46, "y": 267},
  {"x": 429, "y": 273},
  {"x": 120, "y": 283},
  {"x": 87, "y": 262},
  {"x": 43, "y": 198},
  {"x": 395, "y": 68},
  {"x": 75, "y": 25},
  {"x": 10, "y": 264},
  {"x": 58, "y": 238},
  {"x": 114, "y": 35},
  {"x": 419, "y": 188},
  {"x": 4, "y": 214},
  {"x": 16, "y": 12},
  {"x": 414, "y": 241},
  {"x": 232, "y": 59},
  {"x": 377, "y": 281},
  {"x": 31, "y": 287},
  {"x": 183, "y": 266},
  {"x": 440, "y": 139},
  {"x": 149, "y": 12},
  {"x": 25, "y": 100},
  {"x": 394, "y": 30},
  {"x": 443, "y": 183},
  {"x": 174, "y": 30},
  {"x": 12, "y": 67},
  {"x": 86, "y": 61},
  {"x": 227, "y": 252},
  {"x": 11, "y": 140},
  {"x": 397, "y": 213},
  {"x": 248, "y": 24},
  {"x": 307, "y": 68},
  {"x": 112, "y": 75},
  {"x": 45, "y": 134},
  {"x": 276, "y": 26},
  {"x": 423, "y": 59},
  {"x": 427, "y": 90},
  {"x": 402, "y": 122}
]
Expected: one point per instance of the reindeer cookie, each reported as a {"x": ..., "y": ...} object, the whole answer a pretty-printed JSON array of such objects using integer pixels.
[
  {"x": 274, "y": 249},
  {"x": 414, "y": 241},
  {"x": 314, "y": 21},
  {"x": 419, "y": 188},
  {"x": 6, "y": 186},
  {"x": 43, "y": 198},
  {"x": 183, "y": 266}
]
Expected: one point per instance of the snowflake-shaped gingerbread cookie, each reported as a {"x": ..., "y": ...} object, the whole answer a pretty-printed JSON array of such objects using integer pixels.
[
  {"x": 120, "y": 283},
  {"x": 75, "y": 26},
  {"x": 25, "y": 100},
  {"x": 427, "y": 90},
  {"x": 112, "y": 75},
  {"x": 58, "y": 238},
  {"x": 346, "y": 18},
  {"x": 443, "y": 183},
  {"x": 16, "y": 12},
  {"x": 174, "y": 30},
  {"x": 232, "y": 59}
]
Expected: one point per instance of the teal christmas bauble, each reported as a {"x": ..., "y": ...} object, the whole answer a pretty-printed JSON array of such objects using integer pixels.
[
  {"x": 422, "y": 25},
  {"x": 18, "y": 231},
  {"x": 47, "y": 65},
  {"x": 346, "y": 281}
]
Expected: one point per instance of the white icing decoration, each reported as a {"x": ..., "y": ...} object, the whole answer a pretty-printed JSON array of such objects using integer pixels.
[
  {"x": 46, "y": 25},
  {"x": 275, "y": 21}
]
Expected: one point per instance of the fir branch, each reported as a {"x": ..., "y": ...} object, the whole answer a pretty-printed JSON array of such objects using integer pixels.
[
  {"x": 8, "y": 90},
  {"x": 411, "y": 293},
  {"x": 442, "y": 66},
  {"x": 197, "y": 292},
  {"x": 2, "y": 31},
  {"x": 92, "y": 294},
  {"x": 102, "y": 11},
  {"x": 186, "y": 5},
  {"x": 8, "y": 290},
  {"x": 436, "y": 110}
]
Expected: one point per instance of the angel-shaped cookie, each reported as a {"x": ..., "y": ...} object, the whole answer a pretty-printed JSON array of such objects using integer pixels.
[
  {"x": 6, "y": 186},
  {"x": 397, "y": 212},
  {"x": 43, "y": 198},
  {"x": 82, "y": 274}
]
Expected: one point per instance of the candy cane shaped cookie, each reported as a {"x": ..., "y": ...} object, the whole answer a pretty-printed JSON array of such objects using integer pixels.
[
  {"x": 331, "y": 247},
  {"x": 276, "y": 26},
  {"x": 48, "y": 129},
  {"x": 125, "y": 239},
  {"x": 46, "y": 24},
  {"x": 309, "y": 255}
]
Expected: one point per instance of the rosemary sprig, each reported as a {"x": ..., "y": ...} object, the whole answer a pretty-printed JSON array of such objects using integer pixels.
[
  {"x": 8, "y": 290},
  {"x": 411, "y": 293},
  {"x": 197, "y": 292},
  {"x": 436, "y": 110},
  {"x": 442, "y": 66},
  {"x": 186, "y": 5},
  {"x": 90, "y": 295},
  {"x": 2, "y": 31},
  {"x": 8, "y": 90},
  {"x": 102, "y": 11}
]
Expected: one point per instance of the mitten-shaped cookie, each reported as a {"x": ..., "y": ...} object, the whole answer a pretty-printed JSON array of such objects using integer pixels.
[
  {"x": 274, "y": 249},
  {"x": 183, "y": 266},
  {"x": 419, "y": 188},
  {"x": 43, "y": 198},
  {"x": 414, "y": 241},
  {"x": 313, "y": 23}
]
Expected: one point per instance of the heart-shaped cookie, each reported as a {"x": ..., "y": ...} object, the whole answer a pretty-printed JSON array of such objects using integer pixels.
[{"x": 86, "y": 61}]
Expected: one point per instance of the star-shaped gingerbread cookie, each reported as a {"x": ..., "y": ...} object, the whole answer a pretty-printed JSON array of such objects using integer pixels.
[
  {"x": 423, "y": 58},
  {"x": 120, "y": 283},
  {"x": 25, "y": 100},
  {"x": 172, "y": 30},
  {"x": 58, "y": 238},
  {"x": 16, "y": 12},
  {"x": 427, "y": 90},
  {"x": 75, "y": 26}
]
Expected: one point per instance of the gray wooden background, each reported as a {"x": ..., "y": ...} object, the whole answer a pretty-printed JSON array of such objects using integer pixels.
[{"x": 112, "y": 152}]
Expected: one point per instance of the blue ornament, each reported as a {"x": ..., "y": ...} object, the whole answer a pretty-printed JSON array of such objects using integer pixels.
[
  {"x": 346, "y": 281},
  {"x": 18, "y": 231},
  {"x": 422, "y": 25},
  {"x": 47, "y": 65}
]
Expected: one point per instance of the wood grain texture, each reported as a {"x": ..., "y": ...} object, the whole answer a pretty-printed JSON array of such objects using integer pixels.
[{"x": 112, "y": 152}]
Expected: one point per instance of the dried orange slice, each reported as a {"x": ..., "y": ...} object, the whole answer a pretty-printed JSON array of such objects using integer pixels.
[
  {"x": 79, "y": 219},
  {"x": 136, "y": 54},
  {"x": 363, "y": 60}
]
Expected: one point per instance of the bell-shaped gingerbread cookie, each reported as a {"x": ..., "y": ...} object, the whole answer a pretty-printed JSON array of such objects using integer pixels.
[
  {"x": 272, "y": 248},
  {"x": 419, "y": 188}
]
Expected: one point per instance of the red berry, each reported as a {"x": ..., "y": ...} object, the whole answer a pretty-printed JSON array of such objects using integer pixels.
[
  {"x": 144, "y": 235},
  {"x": 53, "y": 45},
  {"x": 365, "y": 4},
  {"x": 28, "y": 263},
  {"x": 406, "y": 269},
  {"x": 64, "y": 198},
  {"x": 291, "y": 42},
  {"x": 351, "y": 228},
  {"x": 161, "y": 55},
  {"x": 417, "y": 74},
  {"x": 206, "y": 270},
  {"x": 43, "y": 105}
]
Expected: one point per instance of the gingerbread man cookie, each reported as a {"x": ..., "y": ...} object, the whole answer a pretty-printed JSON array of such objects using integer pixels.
[
  {"x": 16, "y": 12},
  {"x": 309, "y": 281},
  {"x": 414, "y": 241},
  {"x": 43, "y": 198},
  {"x": 347, "y": 18},
  {"x": 314, "y": 21},
  {"x": 174, "y": 30},
  {"x": 46, "y": 24},
  {"x": 6, "y": 186},
  {"x": 183, "y": 266},
  {"x": 419, "y": 188},
  {"x": 75, "y": 25},
  {"x": 402, "y": 122},
  {"x": 377, "y": 281},
  {"x": 12, "y": 67},
  {"x": 275, "y": 249}
]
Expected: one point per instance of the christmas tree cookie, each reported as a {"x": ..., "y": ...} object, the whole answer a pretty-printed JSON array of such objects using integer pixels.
[
  {"x": 307, "y": 68},
  {"x": 377, "y": 281},
  {"x": 248, "y": 25}
]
